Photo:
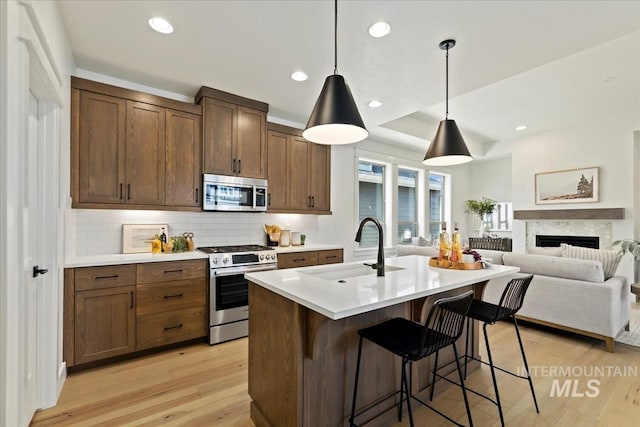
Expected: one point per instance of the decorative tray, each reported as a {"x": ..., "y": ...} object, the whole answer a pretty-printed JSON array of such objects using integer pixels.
[{"x": 434, "y": 262}]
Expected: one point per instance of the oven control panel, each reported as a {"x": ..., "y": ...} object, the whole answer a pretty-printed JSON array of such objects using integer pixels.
[{"x": 234, "y": 260}]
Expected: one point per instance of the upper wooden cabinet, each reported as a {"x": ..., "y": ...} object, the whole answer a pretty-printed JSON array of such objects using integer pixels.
[
  {"x": 183, "y": 171},
  {"x": 234, "y": 134},
  {"x": 299, "y": 172},
  {"x": 133, "y": 148}
]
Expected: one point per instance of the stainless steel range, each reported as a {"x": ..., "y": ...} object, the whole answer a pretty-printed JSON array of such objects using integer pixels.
[{"x": 229, "y": 290}]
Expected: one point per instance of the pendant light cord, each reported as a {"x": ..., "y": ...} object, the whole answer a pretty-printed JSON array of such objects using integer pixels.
[
  {"x": 446, "y": 116},
  {"x": 335, "y": 38}
]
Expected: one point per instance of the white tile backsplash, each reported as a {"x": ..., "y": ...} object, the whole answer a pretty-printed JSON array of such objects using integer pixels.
[{"x": 97, "y": 232}]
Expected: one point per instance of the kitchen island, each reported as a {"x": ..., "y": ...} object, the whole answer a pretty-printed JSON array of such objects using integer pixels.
[{"x": 303, "y": 337}]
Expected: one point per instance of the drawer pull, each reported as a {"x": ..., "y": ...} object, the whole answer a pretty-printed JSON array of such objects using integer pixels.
[
  {"x": 299, "y": 259},
  {"x": 173, "y": 271},
  {"x": 331, "y": 256},
  {"x": 172, "y": 296},
  {"x": 105, "y": 277},
  {"x": 168, "y": 328}
]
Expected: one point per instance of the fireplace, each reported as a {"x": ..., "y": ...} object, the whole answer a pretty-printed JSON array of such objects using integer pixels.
[{"x": 584, "y": 241}]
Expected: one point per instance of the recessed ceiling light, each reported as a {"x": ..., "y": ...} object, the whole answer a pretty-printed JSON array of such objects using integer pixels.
[
  {"x": 375, "y": 103},
  {"x": 521, "y": 127},
  {"x": 299, "y": 76},
  {"x": 379, "y": 29},
  {"x": 161, "y": 25}
]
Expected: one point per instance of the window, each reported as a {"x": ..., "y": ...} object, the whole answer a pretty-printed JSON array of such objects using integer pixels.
[
  {"x": 407, "y": 205},
  {"x": 436, "y": 204},
  {"x": 371, "y": 202}
]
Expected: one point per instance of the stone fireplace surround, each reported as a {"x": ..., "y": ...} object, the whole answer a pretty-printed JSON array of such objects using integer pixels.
[{"x": 602, "y": 229}]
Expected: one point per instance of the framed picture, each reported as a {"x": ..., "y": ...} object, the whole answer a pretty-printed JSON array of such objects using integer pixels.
[
  {"x": 137, "y": 238},
  {"x": 568, "y": 186}
]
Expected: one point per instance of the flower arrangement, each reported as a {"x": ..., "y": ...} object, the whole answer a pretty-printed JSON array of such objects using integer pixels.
[
  {"x": 480, "y": 207},
  {"x": 629, "y": 245}
]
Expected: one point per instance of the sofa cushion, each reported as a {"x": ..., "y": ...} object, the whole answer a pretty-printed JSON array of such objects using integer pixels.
[
  {"x": 609, "y": 259},
  {"x": 568, "y": 268},
  {"x": 538, "y": 250},
  {"x": 402, "y": 250},
  {"x": 420, "y": 241}
]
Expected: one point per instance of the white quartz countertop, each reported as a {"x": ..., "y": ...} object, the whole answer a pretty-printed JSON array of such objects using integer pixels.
[
  {"x": 306, "y": 248},
  {"x": 342, "y": 290},
  {"x": 112, "y": 259}
]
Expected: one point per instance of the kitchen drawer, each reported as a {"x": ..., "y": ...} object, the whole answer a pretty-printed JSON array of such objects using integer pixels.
[
  {"x": 297, "y": 259},
  {"x": 110, "y": 276},
  {"x": 168, "y": 296},
  {"x": 158, "y": 329},
  {"x": 152, "y": 272},
  {"x": 332, "y": 256}
]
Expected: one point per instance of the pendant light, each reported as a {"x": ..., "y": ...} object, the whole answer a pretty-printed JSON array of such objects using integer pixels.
[
  {"x": 335, "y": 118},
  {"x": 448, "y": 147}
]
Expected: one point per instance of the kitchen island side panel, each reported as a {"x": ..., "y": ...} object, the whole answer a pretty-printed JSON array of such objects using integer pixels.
[{"x": 302, "y": 364}]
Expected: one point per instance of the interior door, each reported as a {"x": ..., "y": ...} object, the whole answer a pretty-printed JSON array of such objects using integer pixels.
[{"x": 31, "y": 235}]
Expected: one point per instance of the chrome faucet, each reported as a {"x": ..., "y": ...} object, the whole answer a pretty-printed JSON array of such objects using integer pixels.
[{"x": 379, "y": 266}]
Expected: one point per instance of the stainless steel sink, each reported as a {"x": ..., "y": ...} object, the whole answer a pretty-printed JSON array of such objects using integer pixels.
[{"x": 344, "y": 271}]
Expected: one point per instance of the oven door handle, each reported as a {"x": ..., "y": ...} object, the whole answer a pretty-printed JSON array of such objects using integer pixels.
[{"x": 241, "y": 270}]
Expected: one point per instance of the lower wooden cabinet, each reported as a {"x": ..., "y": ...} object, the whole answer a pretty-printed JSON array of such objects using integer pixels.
[
  {"x": 119, "y": 309},
  {"x": 308, "y": 258},
  {"x": 105, "y": 323}
]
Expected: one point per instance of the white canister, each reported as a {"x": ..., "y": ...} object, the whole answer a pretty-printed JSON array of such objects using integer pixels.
[
  {"x": 295, "y": 238},
  {"x": 285, "y": 237}
]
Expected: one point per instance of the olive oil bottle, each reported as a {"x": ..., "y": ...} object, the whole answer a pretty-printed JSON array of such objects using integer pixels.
[
  {"x": 156, "y": 245},
  {"x": 456, "y": 245},
  {"x": 163, "y": 239},
  {"x": 443, "y": 253}
]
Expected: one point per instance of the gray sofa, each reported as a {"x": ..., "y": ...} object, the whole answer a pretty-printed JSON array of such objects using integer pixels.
[{"x": 566, "y": 293}]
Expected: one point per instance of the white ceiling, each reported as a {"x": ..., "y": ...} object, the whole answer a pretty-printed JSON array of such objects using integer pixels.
[{"x": 545, "y": 64}]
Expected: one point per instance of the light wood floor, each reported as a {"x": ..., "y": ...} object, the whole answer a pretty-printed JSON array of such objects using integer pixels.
[{"x": 200, "y": 385}]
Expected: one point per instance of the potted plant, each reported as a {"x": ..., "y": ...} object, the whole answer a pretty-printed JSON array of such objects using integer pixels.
[
  {"x": 633, "y": 247},
  {"x": 482, "y": 208}
]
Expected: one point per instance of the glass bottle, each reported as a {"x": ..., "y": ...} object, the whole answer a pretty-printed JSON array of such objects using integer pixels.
[
  {"x": 443, "y": 253},
  {"x": 163, "y": 239},
  {"x": 156, "y": 245},
  {"x": 456, "y": 245}
]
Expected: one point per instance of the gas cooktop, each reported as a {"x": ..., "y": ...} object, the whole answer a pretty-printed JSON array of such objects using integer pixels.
[{"x": 233, "y": 248}]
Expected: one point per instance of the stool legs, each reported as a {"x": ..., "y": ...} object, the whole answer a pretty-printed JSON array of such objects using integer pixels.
[
  {"x": 464, "y": 390},
  {"x": 406, "y": 390},
  {"x": 355, "y": 386},
  {"x": 433, "y": 378},
  {"x": 526, "y": 365},
  {"x": 493, "y": 373}
]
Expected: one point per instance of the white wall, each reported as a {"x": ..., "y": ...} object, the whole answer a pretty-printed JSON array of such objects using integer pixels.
[{"x": 341, "y": 227}]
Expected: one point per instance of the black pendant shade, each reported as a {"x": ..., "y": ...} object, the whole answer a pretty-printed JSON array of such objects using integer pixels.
[
  {"x": 335, "y": 118},
  {"x": 448, "y": 147}
]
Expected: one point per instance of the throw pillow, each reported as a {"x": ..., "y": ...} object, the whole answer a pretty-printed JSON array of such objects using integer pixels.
[
  {"x": 538, "y": 250},
  {"x": 609, "y": 259},
  {"x": 420, "y": 241}
]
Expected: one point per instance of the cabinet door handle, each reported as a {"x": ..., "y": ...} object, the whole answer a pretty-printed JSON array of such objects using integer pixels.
[
  {"x": 131, "y": 300},
  {"x": 197, "y": 197},
  {"x": 234, "y": 165},
  {"x": 128, "y": 191},
  {"x": 313, "y": 201},
  {"x": 269, "y": 199},
  {"x": 239, "y": 165},
  {"x": 120, "y": 191},
  {"x": 105, "y": 277},
  {"x": 173, "y": 296},
  {"x": 167, "y": 328},
  {"x": 173, "y": 271}
]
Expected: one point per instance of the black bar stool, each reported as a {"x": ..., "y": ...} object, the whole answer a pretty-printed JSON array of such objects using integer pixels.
[
  {"x": 413, "y": 341},
  {"x": 488, "y": 313}
]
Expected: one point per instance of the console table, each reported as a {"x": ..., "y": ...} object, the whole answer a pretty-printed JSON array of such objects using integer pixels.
[{"x": 496, "y": 244}]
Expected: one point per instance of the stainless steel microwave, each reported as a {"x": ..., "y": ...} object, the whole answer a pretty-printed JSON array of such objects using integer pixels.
[{"x": 234, "y": 193}]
